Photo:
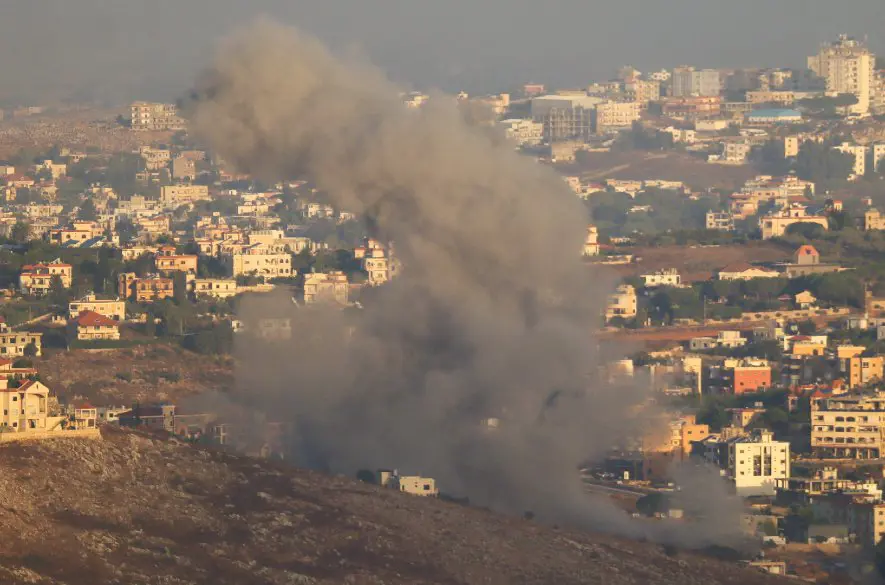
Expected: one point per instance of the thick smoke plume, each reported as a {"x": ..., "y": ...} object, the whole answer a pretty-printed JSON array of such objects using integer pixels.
[{"x": 492, "y": 316}]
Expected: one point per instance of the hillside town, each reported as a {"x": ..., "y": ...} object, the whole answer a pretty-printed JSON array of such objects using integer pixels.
[{"x": 740, "y": 210}]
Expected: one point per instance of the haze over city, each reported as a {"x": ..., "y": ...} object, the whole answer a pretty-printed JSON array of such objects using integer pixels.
[
  {"x": 127, "y": 49},
  {"x": 419, "y": 293}
]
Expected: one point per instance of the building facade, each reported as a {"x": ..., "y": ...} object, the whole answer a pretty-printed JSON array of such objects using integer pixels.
[
  {"x": 36, "y": 279},
  {"x": 326, "y": 287},
  {"x": 622, "y": 303},
  {"x": 756, "y": 462},
  {"x": 258, "y": 261},
  {"x": 850, "y": 426},
  {"x": 848, "y": 66},
  {"x": 112, "y": 309},
  {"x": 155, "y": 116}
]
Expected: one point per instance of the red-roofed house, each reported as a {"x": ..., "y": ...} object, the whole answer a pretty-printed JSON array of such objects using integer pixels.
[
  {"x": 36, "y": 279},
  {"x": 806, "y": 255},
  {"x": 90, "y": 326}
]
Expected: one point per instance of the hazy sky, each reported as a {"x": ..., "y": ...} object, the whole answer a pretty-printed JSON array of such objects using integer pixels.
[{"x": 122, "y": 49}]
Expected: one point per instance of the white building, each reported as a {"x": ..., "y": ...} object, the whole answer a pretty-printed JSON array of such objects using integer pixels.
[
  {"x": 591, "y": 242},
  {"x": 523, "y": 132},
  {"x": 723, "y": 221},
  {"x": 756, "y": 461},
  {"x": 258, "y": 261},
  {"x": 848, "y": 66},
  {"x": 668, "y": 277},
  {"x": 859, "y": 152},
  {"x": 622, "y": 303},
  {"x": 736, "y": 152},
  {"x": 878, "y": 155},
  {"x": 688, "y": 81},
  {"x": 326, "y": 287}
]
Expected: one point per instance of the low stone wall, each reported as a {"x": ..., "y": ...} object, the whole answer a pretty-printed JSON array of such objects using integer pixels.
[{"x": 42, "y": 435}]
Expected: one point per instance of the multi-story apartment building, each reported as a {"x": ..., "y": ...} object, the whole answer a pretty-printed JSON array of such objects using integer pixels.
[
  {"x": 864, "y": 370},
  {"x": 523, "y": 132},
  {"x": 155, "y": 158},
  {"x": 878, "y": 158},
  {"x": 112, "y": 308},
  {"x": 175, "y": 195},
  {"x": 776, "y": 223},
  {"x": 90, "y": 326},
  {"x": 26, "y": 408},
  {"x": 168, "y": 263},
  {"x": 756, "y": 461},
  {"x": 643, "y": 91},
  {"x": 692, "y": 107},
  {"x": 848, "y": 66},
  {"x": 220, "y": 288},
  {"x": 258, "y": 261},
  {"x": 736, "y": 152},
  {"x": 155, "y": 116},
  {"x": 14, "y": 343},
  {"x": 326, "y": 287},
  {"x": 866, "y": 520},
  {"x": 591, "y": 242},
  {"x": 771, "y": 97},
  {"x": 611, "y": 115},
  {"x": 745, "y": 376},
  {"x": 859, "y": 152},
  {"x": 622, "y": 303},
  {"x": 378, "y": 269},
  {"x": 184, "y": 169},
  {"x": 848, "y": 426},
  {"x": 873, "y": 220},
  {"x": 716, "y": 220},
  {"x": 151, "y": 227},
  {"x": 141, "y": 290},
  {"x": 36, "y": 279},
  {"x": 565, "y": 117},
  {"x": 688, "y": 81}
]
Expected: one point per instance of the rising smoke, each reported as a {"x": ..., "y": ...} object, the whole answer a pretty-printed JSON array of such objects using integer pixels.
[{"x": 492, "y": 316}]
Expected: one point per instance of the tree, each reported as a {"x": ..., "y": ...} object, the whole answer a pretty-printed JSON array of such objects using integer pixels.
[
  {"x": 23, "y": 362},
  {"x": 58, "y": 294},
  {"x": 86, "y": 211},
  {"x": 768, "y": 528},
  {"x": 822, "y": 164},
  {"x": 218, "y": 340},
  {"x": 879, "y": 556},
  {"x": 714, "y": 414},
  {"x": 30, "y": 350},
  {"x": 126, "y": 230},
  {"x": 179, "y": 287},
  {"x": 150, "y": 326},
  {"x": 20, "y": 233},
  {"x": 809, "y": 231},
  {"x": 641, "y": 138},
  {"x": 771, "y": 158}
]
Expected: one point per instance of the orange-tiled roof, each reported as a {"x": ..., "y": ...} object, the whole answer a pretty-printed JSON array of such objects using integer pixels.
[{"x": 93, "y": 319}]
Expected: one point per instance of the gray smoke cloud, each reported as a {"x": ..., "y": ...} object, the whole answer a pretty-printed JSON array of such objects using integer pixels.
[{"x": 492, "y": 315}]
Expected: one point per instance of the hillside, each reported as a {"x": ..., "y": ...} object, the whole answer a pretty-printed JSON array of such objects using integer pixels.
[
  {"x": 129, "y": 510},
  {"x": 153, "y": 373}
]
